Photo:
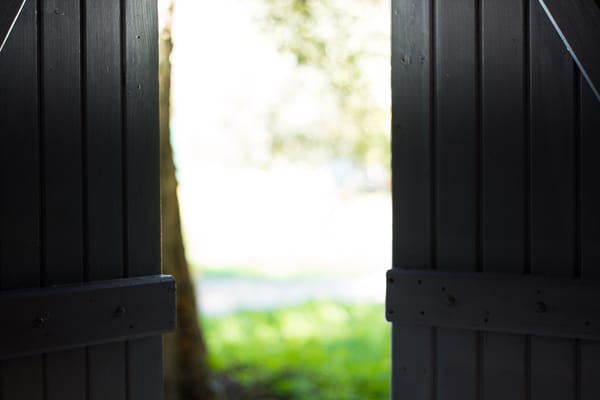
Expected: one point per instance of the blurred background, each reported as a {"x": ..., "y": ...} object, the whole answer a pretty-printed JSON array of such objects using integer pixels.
[{"x": 279, "y": 125}]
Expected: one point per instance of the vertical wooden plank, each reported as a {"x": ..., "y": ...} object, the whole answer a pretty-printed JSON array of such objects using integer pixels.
[
  {"x": 62, "y": 176},
  {"x": 19, "y": 176},
  {"x": 590, "y": 229},
  {"x": 142, "y": 195},
  {"x": 553, "y": 187},
  {"x": 103, "y": 139},
  {"x": 412, "y": 348},
  {"x": 103, "y": 178},
  {"x": 62, "y": 142},
  {"x": 503, "y": 180},
  {"x": 141, "y": 138},
  {"x": 457, "y": 205},
  {"x": 19, "y": 157}
]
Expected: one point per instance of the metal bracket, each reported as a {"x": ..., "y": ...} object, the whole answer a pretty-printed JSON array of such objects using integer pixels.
[
  {"x": 41, "y": 320},
  {"x": 499, "y": 303},
  {"x": 9, "y": 12}
]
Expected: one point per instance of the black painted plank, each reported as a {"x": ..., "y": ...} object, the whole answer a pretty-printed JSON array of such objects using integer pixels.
[
  {"x": 412, "y": 347},
  {"x": 590, "y": 229},
  {"x": 19, "y": 158},
  {"x": 22, "y": 378},
  {"x": 553, "y": 184},
  {"x": 104, "y": 183},
  {"x": 62, "y": 147},
  {"x": 65, "y": 375},
  {"x": 107, "y": 373},
  {"x": 62, "y": 143},
  {"x": 103, "y": 138},
  {"x": 142, "y": 196},
  {"x": 9, "y": 12},
  {"x": 141, "y": 138},
  {"x": 145, "y": 374},
  {"x": 456, "y": 155},
  {"x": 578, "y": 24},
  {"x": 19, "y": 171},
  {"x": 503, "y": 180}
]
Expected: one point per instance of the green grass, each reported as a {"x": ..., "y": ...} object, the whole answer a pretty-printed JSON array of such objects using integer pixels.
[
  {"x": 319, "y": 350},
  {"x": 233, "y": 272}
]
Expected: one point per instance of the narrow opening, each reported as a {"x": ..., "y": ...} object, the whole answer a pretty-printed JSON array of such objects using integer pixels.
[{"x": 280, "y": 128}]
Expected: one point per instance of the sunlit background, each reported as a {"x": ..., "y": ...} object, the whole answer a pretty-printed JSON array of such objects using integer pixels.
[{"x": 280, "y": 126}]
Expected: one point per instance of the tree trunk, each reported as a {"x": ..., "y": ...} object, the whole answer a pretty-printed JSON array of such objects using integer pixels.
[{"x": 186, "y": 371}]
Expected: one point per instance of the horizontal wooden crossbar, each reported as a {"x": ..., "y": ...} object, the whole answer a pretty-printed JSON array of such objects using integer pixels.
[
  {"x": 48, "y": 319},
  {"x": 498, "y": 303},
  {"x": 9, "y": 12}
]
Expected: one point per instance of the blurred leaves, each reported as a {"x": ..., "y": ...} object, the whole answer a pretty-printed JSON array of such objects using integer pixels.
[{"x": 339, "y": 40}]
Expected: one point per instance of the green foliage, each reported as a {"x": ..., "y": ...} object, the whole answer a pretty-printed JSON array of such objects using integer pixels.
[
  {"x": 341, "y": 41},
  {"x": 320, "y": 350}
]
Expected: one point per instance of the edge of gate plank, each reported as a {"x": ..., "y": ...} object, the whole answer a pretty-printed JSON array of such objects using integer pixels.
[
  {"x": 521, "y": 304},
  {"x": 35, "y": 321}
]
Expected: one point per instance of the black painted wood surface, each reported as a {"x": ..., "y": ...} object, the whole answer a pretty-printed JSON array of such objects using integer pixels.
[
  {"x": 489, "y": 302},
  {"x": 44, "y": 320},
  {"x": 503, "y": 119},
  {"x": 494, "y": 142},
  {"x": 20, "y": 212},
  {"x": 578, "y": 24},
  {"x": 103, "y": 135},
  {"x": 9, "y": 11},
  {"x": 413, "y": 165},
  {"x": 80, "y": 197}
]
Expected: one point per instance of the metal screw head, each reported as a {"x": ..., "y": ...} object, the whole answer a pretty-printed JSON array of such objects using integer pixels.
[
  {"x": 540, "y": 307},
  {"x": 120, "y": 311},
  {"x": 41, "y": 319}
]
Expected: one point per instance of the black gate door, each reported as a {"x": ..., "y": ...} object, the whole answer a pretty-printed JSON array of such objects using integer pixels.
[
  {"x": 82, "y": 301},
  {"x": 496, "y": 135}
]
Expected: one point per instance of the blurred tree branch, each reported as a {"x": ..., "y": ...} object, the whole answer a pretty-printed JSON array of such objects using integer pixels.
[{"x": 322, "y": 35}]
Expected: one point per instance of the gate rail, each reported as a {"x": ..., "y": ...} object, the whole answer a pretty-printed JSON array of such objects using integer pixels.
[
  {"x": 40, "y": 320},
  {"x": 521, "y": 304}
]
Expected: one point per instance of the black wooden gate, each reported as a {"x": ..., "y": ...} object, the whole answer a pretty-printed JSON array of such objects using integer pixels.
[
  {"x": 82, "y": 301},
  {"x": 496, "y": 135}
]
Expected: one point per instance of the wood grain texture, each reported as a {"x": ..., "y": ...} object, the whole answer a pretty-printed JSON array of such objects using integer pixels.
[
  {"x": 553, "y": 194},
  {"x": 62, "y": 143},
  {"x": 590, "y": 229},
  {"x": 412, "y": 57},
  {"x": 510, "y": 186},
  {"x": 578, "y": 24},
  {"x": 19, "y": 171},
  {"x": 456, "y": 146},
  {"x": 142, "y": 180},
  {"x": 9, "y": 12},
  {"x": 62, "y": 177},
  {"x": 503, "y": 176},
  {"x": 95, "y": 312},
  {"x": 104, "y": 178},
  {"x": 72, "y": 210},
  {"x": 505, "y": 303},
  {"x": 141, "y": 139}
]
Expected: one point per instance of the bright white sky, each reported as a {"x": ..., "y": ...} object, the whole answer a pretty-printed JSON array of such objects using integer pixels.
[{"x": 227, "y": 76}]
